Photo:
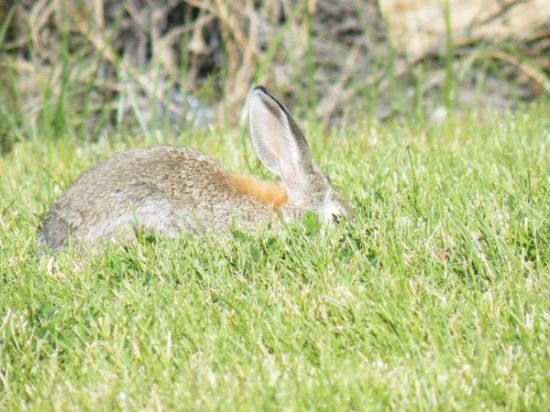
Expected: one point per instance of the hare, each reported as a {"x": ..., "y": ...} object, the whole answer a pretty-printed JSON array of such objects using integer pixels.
[{"x": 175, "y": 189}]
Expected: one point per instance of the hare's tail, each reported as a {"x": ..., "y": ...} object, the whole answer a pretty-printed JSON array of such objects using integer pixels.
[{"x": 54, "y": 232}]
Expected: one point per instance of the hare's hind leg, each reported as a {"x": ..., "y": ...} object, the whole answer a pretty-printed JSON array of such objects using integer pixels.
[
  {"x": 162, "y": 216},
  {"x": 54, "y": 232},
  {"x": 156, "y": 214}
]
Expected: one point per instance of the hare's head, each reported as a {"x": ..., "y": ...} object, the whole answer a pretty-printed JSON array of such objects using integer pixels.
[{"x": 282, "y": 148}]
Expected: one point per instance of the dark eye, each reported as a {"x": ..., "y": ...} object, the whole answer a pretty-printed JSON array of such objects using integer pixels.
[{"x": 336, "y": 219}]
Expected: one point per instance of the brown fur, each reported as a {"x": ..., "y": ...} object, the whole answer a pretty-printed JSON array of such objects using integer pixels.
[{"x": 269, "y": 193}]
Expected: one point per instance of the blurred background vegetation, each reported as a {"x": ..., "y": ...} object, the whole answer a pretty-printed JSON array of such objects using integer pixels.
[{"x": 81, "y": 69}]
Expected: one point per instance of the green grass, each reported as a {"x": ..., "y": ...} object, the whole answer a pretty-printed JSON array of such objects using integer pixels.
[{"x": 437, "y": 297}]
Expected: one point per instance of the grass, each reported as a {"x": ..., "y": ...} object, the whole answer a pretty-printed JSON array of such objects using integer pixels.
[{"x": 435, "y": 299}]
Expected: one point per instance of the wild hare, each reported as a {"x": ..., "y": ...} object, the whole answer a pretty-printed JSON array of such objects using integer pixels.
[{"x": 174, "y": 189}]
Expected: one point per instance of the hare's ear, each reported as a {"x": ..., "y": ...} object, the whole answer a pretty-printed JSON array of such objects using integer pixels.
[{"x": 277, "y": 140}]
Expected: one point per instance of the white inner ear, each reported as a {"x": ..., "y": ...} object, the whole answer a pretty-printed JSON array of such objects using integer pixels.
[{"x": 274, "y": 141}]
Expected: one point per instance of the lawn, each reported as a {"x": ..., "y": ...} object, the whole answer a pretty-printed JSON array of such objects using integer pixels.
[{"x": 435, "y": 298}]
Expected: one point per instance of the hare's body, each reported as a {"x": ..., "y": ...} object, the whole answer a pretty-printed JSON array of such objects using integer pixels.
[
  {"x": 173, "y": 189},
  {"x": 166, "y": 188}
]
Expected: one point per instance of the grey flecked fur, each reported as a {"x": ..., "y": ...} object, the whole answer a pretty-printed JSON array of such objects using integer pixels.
[{"x": 171, "y": 189}]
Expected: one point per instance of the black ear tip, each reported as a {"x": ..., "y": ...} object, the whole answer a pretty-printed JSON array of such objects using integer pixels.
[
  {"x": 260, "y": 88},
  {"x": 267, "y": 96}
]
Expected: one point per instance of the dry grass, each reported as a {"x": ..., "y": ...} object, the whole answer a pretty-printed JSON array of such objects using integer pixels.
[{"x": 192, "y": 62}]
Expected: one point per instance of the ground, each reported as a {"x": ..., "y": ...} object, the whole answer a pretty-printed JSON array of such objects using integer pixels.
[{"x": 435, "y": 297}]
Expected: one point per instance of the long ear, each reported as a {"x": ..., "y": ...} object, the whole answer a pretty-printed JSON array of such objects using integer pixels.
[{"x": 277, "y": 139}]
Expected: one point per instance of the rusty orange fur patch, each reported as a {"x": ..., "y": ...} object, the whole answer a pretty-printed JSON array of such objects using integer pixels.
[{"x": 267, "y": 192}]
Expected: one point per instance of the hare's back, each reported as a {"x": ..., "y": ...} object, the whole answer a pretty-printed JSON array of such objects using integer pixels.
[{"x": 158, "y": 168}]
